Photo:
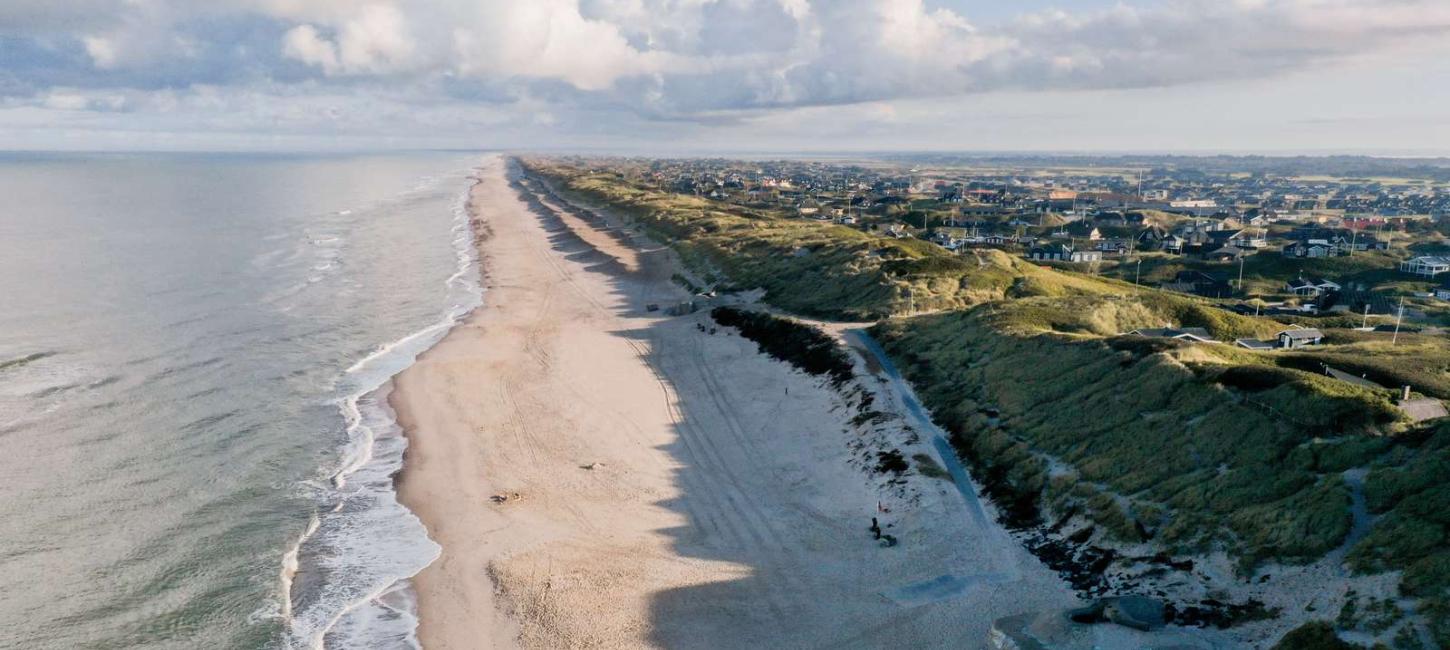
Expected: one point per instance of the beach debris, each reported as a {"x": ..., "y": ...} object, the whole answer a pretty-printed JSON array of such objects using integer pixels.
[
  {"x": 683, "y": 308},
  {"x": 652, "y": 307},
  {"x": 592, "y": 466},
  {"x": 1051, "y": 630},
  {"x": 505, "y": 497},
  {"x": 888, "y": 541},
  {"x": 1137, "y": 612}
]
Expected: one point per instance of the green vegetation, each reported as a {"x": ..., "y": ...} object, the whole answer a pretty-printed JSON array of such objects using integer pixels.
[
  {"x": 1199, "y": 450},
  {"x": 1422, "y": 362},
  {"x": 805, "y": 266},
  {"x": 1194, "y": 446},
  {"x": 685, "y": 283},
  {"x": 1410, "y": 488},
  {"x": 1265, "y": 273},
  {"x": 928, "y": 467},
  {"x": 1314, "y": 636},
  {"x": 802, "y": 346},
  {"x": 891, "y": 462}
]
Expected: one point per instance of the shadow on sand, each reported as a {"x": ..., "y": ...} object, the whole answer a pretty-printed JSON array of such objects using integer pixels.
[{"x": 808, "y": 577}]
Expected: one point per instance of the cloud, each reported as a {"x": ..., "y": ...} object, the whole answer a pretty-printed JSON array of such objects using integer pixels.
[
  {"x": 101, "y": 50},
  {"x": 570, "y": 63},
  {"x": 303, "y": 44},
  {"x": 549, "y": 40},
  {"x": 1202, "y": 40},
  {"x": 374, "y": 40}
]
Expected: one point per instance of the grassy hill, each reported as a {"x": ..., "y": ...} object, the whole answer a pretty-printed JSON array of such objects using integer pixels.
[
  {"x": 1409, "y": 488},
  {"x": 1265, "y": 273},
  {"x": 1193, "y": 443},
  {"x": 810, "y": 267},
  {"x": 1196, "y": 447}
]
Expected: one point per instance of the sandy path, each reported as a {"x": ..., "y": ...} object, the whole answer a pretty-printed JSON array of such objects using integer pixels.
[{"x": 725, "y": 510}]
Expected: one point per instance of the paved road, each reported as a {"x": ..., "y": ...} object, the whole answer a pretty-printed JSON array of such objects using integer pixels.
[{"x": 922, "y": 422}]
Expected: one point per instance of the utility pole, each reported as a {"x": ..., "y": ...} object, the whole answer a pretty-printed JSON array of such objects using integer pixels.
[
  {"x": 1400, "y": 317},
  {"x": 1138, "y": 272},
  {"x": 1364, "y": 324},
  {"x": 1241, "y": 273}
]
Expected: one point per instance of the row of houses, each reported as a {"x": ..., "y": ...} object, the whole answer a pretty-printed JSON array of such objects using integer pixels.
[
  {"x": 1063, "y": 253},
  {"x": 1221, "y": 245},
  {"x": 1285, "y": 340}
]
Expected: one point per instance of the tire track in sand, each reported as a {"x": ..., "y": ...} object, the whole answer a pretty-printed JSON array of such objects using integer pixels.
[{"x": 739, "y": 527}]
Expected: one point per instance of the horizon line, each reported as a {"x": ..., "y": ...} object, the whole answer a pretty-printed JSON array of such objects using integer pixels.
[{"x": 1403, "y": 155}]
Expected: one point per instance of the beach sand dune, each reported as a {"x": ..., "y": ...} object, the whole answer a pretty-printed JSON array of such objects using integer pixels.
[{"x": 662, "y": 486}]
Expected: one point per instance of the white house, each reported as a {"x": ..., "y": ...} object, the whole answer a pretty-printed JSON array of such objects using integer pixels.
[
  {"x": 1064, "y": 253},
  {"x": 1311, "y": 287},
  {"x": 1426, "y": 265}
]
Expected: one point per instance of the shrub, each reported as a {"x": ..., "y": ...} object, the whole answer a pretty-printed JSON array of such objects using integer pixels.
[
  {"x": 1317, "y": 635},
  {"x": 803, "y": 346},
  {"x": 1255, "y": 378},
  {"x": 928, "y": 467},
  {"x": 891, "y": 461},
  {"x": 1222, "y": 470}
]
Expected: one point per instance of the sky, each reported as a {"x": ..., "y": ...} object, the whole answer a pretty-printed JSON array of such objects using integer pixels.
[{"x": 723, "y": 76}]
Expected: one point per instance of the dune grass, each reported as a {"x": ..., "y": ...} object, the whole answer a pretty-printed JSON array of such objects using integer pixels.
[
  {"x": 803, "y": 346},
  {"x": 1316, "y": 635},
  {"x": 1410, "y": 488},
  {"x": 1265, "y": 273},
  {"x": 1194, "y": 446},
  {"x": 1163, "y": 435},
  {"x": 809, "y": 267}
]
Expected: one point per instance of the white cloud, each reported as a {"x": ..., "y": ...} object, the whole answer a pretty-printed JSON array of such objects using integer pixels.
[
  {"x": 63, "y": 101},
  {"x": 772, "y": 53},
  {"x": 101, "y": 50},
  {"x": 303, "y": 44},
  {"x": 376, "y": 39},
  {"x": 591, "y": 65},
  {"x": 373, "y": 40},
  {"x": 548, "y": 39}
]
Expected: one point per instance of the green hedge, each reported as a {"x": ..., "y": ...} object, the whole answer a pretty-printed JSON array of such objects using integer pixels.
[{"x": 803, "y": 346}]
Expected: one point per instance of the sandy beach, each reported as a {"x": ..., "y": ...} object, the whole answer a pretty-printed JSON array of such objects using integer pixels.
[{"x": 666, "y": 486}]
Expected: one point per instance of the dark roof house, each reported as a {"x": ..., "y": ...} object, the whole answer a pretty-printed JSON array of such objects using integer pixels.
[
  {"x": 1298, "y": 338},
  {"x": 1181, "y": 333}
]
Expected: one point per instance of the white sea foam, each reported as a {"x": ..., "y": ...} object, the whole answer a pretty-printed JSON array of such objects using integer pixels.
[
  {"x": 290, "y": 564},
  {"x": 366, "y": 545}
]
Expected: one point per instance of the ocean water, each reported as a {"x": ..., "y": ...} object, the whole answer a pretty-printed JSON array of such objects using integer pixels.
[{"x": 195, "y": 445}]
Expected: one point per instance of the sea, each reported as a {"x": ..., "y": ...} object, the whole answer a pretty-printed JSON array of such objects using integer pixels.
[{"x": 196, "y": 449}]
